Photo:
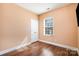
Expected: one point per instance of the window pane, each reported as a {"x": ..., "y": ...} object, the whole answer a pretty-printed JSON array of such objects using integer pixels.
[
  {"x": 48, "y": 22},
  {"x": 48, "y": 30},
  {"x": 49, "y": 26}
]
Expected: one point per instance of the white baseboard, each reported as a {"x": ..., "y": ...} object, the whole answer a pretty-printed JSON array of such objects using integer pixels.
[
  {"x": 23, "y": 45},
  {"x": 7, "y": 50},
  {"x": 60, "y": 45},
  {"x": 15, "y": 48}
]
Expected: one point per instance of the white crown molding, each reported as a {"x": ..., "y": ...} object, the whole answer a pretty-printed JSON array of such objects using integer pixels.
[{"x": 40, "y": 8}]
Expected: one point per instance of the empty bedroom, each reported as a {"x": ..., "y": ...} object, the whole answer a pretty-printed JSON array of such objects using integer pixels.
[{"x": 39, "y": 29}]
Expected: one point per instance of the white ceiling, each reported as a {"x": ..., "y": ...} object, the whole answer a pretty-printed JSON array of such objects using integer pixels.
[{"x": 40, "y": 8}]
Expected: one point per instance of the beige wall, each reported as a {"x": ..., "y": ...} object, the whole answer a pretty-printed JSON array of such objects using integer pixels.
[
  {"x": 14, "y": 25},
  {"x": 65, "y": 26}
]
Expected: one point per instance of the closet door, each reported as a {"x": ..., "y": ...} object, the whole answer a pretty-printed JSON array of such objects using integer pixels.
[{"x": 34, "y": 30}]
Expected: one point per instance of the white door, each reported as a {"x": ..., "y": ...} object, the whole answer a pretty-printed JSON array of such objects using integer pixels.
[{"x": 34, "y": 29}]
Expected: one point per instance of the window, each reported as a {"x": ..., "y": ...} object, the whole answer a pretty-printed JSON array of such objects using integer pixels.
[{"x": 48, "y": 26}]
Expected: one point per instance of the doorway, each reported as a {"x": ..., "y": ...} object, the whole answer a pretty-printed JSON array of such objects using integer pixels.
[{"x": 34, "y": 30}]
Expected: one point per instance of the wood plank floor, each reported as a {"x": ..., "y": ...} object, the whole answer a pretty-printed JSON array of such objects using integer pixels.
[{"x": 42, "y": 49}]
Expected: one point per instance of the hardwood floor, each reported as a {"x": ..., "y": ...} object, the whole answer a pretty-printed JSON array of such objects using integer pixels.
[{"x": 42, "y": 49}]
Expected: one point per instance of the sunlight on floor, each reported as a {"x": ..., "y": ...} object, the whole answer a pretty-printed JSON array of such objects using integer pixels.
[{"x": 46, "y": 52}]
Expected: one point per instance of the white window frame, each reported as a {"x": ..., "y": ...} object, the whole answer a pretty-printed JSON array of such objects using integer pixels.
[{"x": 50, "y": 26}]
